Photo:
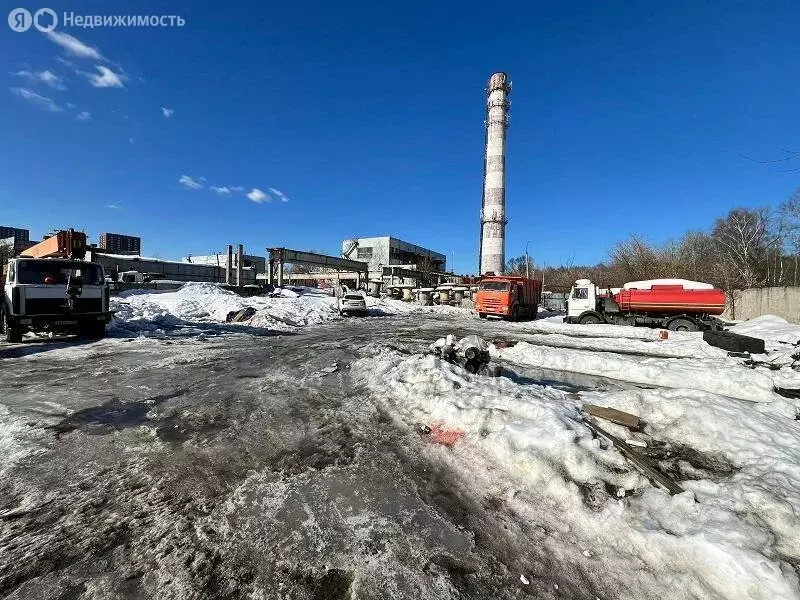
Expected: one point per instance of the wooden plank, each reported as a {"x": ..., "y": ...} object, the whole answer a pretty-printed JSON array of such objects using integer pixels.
[
  {"x": 615, "y": 416},
  {"x": 637, "y": 459}
]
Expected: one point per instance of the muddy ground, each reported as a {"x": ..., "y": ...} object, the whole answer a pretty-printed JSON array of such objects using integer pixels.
[{"x": 246, "y": 466}]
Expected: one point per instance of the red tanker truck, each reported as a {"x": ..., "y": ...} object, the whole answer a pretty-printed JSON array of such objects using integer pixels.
[{"x": 674, "y": 304}]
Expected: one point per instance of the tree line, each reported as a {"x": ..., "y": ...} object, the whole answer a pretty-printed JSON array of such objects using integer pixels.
[{"x": 746, "y": 248}]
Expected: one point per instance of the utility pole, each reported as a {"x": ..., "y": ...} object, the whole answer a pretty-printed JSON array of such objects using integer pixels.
[{"x": 527, "y": 262}]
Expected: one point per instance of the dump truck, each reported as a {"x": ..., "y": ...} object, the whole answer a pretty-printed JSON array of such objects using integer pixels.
[
  {"x": 673, "y": 304},
  {"x": 508, "y": 296},
  {"x": 50, "y": 288}
]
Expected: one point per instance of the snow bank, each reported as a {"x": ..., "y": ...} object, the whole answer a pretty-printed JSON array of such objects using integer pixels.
[
  {"x": 769, "y": 328},
  {"x": 720, "y": 376},
  {"x": 522, "y": 443},
  {"x": 143, "y": 310}
]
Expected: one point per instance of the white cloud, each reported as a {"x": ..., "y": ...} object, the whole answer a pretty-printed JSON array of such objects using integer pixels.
[
  {"x": 107, "y": 78},
  {"x": 48, "y": 77},
  {"x": 41, "y": 101},
  {"x": 167, "y": 112},
  {"x": 131, "y": 140},
  {"x": 53, "y": 80},
  {"x": 190, "y": 183},
  {"x": 70, "y": 105},
  {"x": 279, "y": 194},
  {"x": 84, "y": 116},
  {"x": 222, "y": 191},
  {"x": 74, "y": 46},
  {"x": 114, "y": 206},
  {"x": 257, "y": 196},
  {"x": 237, "y": 188}
]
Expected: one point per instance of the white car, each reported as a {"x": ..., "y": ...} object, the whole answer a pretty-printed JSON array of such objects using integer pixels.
[{"x": 352, "y": 304}]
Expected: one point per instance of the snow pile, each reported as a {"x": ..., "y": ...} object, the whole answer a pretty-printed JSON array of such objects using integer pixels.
[
  {"x": 721, "y": 375},
  {"x": 648, "y": 284},
  {"x": 390, "y": 306},
  {"x": 140, "y": 310},
  {"x": 770, "y": 329},
  {"x": 732, "y": 534}
]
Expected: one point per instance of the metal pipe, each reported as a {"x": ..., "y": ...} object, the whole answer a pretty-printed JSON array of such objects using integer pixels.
[
  {"x": 229, "y": 265},
  {"x": 239, "y": 265},
  {"x": 493, "y": 211}
]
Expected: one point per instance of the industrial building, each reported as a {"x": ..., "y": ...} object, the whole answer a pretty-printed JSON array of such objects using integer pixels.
[
  {"x": 379, "y": 252},
  {"x": 18, "y": 239},
  {"x": 157, "y": 269},
  {"x": 259, "y": 263},
  {"x": 117, "y": 243}
]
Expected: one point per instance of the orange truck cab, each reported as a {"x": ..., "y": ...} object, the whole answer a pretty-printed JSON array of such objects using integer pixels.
[{"x": 508, "y": 296}]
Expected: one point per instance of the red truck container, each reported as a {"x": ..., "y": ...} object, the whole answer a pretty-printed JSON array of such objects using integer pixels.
[
  {"x": 63, "y": 244},
  {"x": 508, "y": 296},
  {"x": 672, "y": 299}
]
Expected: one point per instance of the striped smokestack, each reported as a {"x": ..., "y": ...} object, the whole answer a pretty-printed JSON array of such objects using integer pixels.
[{"x": 493, "y": 209}]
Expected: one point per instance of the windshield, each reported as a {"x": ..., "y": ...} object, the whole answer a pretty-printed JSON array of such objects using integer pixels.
[
  {"x": 57, "y": 272},
  {"x": 353, "y": 297},
  {"x": 581, "y": 293},
  {"x": 495, "y": 286}
]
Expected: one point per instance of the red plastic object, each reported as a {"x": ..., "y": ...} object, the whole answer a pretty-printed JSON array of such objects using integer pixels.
[{"x": 439, "y": 434}]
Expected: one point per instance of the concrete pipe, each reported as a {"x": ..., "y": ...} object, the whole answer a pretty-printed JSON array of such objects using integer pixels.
[
  {"x": 407, "y": 294},
  {"x": 375, "y": 288}
]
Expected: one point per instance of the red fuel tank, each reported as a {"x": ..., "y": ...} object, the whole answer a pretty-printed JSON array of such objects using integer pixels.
[{"x": 672, "y": 299}]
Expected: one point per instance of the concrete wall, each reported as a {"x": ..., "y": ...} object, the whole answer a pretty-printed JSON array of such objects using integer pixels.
[{"x": 781, "y": 301}]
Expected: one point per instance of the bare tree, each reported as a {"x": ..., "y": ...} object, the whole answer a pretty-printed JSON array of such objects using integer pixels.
[{"x": 742, "y": 242}]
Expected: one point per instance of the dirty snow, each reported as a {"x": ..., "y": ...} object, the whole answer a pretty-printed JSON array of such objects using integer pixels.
[
  {"x": 286, "y": 309},
  {"x": 731, "y": 534},
  {"x": 769, "y": 328}
]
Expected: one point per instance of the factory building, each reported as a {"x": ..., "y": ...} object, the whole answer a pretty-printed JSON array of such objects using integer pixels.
[
  {"x": 117, "y": 243},
  {"x": 249, "y": 261},
  {"x": 380, "y": 252}
]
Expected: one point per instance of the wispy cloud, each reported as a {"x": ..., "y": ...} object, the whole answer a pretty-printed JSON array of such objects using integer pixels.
[
  {"x": 47, "y": 77},
  {"x": 74, "y": 46},
  {"x": 257, "y": 196},
  {"x": 131, "y": 141},
  {"x": 279, "y": 194},
  {"x": 41, "y": 101},
  {"x": 237, "y": 188},
  {"x": 84, "y": 116},
  {"x": 190, "y": 183},
  {"x": 114, "y": 206},
  {"x": 221, "y": 190},
  {"x": 106, "y": 79},
  {"x": 167, "y": 112}
]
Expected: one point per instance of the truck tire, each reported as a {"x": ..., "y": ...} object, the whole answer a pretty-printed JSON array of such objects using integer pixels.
[
  {"x": 590, "y": 319},
  {"x": 515, "y": 313},
  {"x": 482, "y": 315},
  {"x": 535, "y": 313},
  {"x": 10, "y": 334},
  {"x": 733, "y": 342},
  {"x": 682, "y": 324}
]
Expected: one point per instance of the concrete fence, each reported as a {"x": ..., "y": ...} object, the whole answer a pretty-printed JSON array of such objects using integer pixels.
[{"x": 781, "y": 301}]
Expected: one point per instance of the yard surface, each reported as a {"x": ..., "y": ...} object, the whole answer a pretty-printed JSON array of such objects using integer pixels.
[{"x": 293, "y": 458}]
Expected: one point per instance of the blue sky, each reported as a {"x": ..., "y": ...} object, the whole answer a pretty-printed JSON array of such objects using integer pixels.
[{"x": 368, "y": 117}]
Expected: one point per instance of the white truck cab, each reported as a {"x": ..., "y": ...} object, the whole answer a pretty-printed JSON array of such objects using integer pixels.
[
  {"x": 582, "y": 298},
  {"x": 53, "y": 294}
]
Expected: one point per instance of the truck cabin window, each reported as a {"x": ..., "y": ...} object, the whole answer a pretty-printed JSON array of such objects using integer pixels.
[
  {"x": 57, "y": 272},
  {"x": 581, "y": 294},
  {"x": 495, "y": 286}
]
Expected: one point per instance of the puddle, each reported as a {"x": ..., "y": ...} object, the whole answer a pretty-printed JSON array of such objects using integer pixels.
[
  {"x": 113, "y": 415},
  {"x": 565, "y": 381}
]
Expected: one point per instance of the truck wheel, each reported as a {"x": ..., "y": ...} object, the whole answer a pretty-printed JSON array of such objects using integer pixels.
[
  {"x": 94, "y": 331},
  {"x": 682, "y": 324},
  {"x": 515, "y": 313},
  {"x": 535, "y": 313},
  {"x": 482, "y": 315},
  {"x": 589, "y": 320},
  {"x": 10, "y": 334}
]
